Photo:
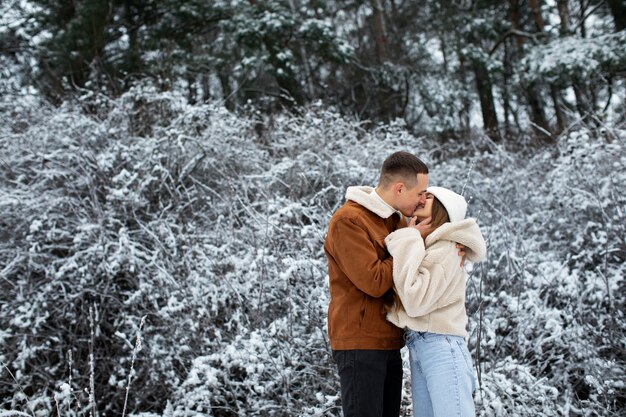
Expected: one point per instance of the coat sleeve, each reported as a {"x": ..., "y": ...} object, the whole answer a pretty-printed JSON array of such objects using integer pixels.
[
  {"x": 356, "y": 255},
  {"x": 420, "y": 279}
]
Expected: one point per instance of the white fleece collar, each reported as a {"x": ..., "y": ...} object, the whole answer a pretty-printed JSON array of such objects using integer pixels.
[{"x": 368, "y": 198}]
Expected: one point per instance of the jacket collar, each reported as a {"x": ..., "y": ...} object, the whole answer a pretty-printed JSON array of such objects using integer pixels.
[{"x": 368, "y": 198}]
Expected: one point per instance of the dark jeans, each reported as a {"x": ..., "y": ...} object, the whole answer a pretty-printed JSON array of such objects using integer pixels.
[{"x": 371, "y": 382}]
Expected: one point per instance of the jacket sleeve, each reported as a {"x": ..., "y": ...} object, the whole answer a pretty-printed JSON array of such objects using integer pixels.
[
  {"x": 476, "y": 249},
  {"x": 356, "y": 256},
  {"x": 471, "y": 237},
  {"x": 420, "y": 280}
]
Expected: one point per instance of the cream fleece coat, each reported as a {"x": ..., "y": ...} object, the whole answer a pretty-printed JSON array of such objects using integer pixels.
[{"x": 428, "y": 277}]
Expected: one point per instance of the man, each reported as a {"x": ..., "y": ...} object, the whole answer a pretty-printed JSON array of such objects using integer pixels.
[{"x": 366, "y": 347}]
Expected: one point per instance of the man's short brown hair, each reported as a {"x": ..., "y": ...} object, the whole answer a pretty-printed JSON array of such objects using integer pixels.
[{"x": 403, "y": 166}]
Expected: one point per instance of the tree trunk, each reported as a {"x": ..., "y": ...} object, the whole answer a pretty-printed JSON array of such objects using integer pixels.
[
  {"x": 583, "y": 91},
  {"x": 514, "y": 15},
  {"x": 464, "y": 114},
  {"x": 563, "y": 8},
  {"x": 533, "y": 98},
  {"x": 584, "y": 103},
  {"x": 558, "y": 110},
  {"x": 538, "y": 116},
  {"x": 535, "y": 9},
  {"x": 583, "y": 12},
  {"x": 506, "y": 65},
  {"x": 206, "y": 87},
  {"x": 380, "y": 32},
  {"x": 485, "y": 94},
  {"x": 618, "y": 10},
  {"x": 226, "y": 90},
  {"x": 564, "y": 15},
  {"x": 192, "y": 95}
]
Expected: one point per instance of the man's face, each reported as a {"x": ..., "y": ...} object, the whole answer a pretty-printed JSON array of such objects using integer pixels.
[{"x": 411, "y": 199}]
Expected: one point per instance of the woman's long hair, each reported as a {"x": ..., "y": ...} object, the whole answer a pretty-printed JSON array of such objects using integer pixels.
[{"x": 438, "y": 216}]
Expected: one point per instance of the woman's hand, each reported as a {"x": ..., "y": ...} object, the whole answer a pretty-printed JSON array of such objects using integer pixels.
[
  {"x": 423, "y": 227},
  {"x": 461, "y": 249}
]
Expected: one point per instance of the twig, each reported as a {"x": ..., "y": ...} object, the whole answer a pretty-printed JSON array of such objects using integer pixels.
[
  {"x": 480, "y": 328},
  {"x": 467, "y": 177},
  {"x": 132, "y": 362},
  {"x": 92, "y": 394},
  {"x": 70, "y": 362},
  {"x": 542, "y": 130},
  {"x": 17, "y": 413}
]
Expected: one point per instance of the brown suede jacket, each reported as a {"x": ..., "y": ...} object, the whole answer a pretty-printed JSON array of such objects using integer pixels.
[{"x": 360, "y": 273}]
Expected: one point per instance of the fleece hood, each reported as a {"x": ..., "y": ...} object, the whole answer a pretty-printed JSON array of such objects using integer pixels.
[{"x": 366, "y": 197}]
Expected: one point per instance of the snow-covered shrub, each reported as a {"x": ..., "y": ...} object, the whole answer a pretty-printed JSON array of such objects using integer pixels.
[
  {"x": 211, "y": 225},
  {"x": 146, "y": 206},
  {"x": 550, "y": 297}
]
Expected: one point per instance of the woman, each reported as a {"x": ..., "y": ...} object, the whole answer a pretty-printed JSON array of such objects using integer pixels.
[{"x": 430, "y": 303}]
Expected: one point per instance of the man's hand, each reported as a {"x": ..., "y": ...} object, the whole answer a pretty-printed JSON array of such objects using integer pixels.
[
  {"x": 423, "y": 227},
  {"x": 461, "y": 249}
]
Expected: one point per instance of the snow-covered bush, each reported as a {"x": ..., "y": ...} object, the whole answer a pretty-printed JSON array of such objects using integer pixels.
[
  {"x": 550, "y": 297},
  {"x": 211, "y": 225}
]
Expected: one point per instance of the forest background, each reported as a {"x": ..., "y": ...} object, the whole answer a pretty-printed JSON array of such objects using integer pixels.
[{"x": 168, "y": 170}]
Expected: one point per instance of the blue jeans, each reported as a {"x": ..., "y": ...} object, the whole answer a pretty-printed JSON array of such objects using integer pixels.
[{"x": 442, "y": 379}]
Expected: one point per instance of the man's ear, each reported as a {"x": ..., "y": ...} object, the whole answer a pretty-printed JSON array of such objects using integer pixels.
[{"x": 398, "y": 188}]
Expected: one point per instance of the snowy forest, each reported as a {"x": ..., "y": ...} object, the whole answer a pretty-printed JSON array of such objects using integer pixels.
[{"x": 168, "y": 170}]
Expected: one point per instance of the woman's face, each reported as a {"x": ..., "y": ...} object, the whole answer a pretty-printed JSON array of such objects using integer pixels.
[{"x": 423, "y": 212}]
